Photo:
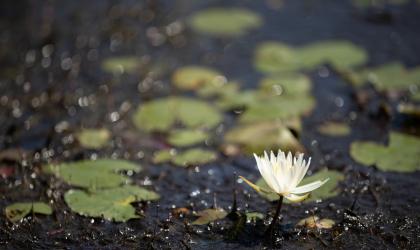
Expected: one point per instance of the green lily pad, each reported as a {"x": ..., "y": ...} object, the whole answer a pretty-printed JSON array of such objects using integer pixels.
[
  {"x": 226, "y": 89},
  {"x": 162, "y": 114},
  {"x": 257, "y": 137},
  {"x": 275, "y": 57},
  {"x": 120, "y": 65},
  {"x": 316, "y": 222},
  {"x": 400, "y": 155},
  {"x": 164, "y": 155},
  {"x": 187, "y": 137},
  {"x": 409, "y": 109},
  {"x": 286, "y": 85},
  {"x": 196, "y": 77},
  {"x": 112, "y": 204},
  {"x": 17, "y": 211},
  {"x": 390, "y": 76},
  {"x": 224, "y": 22},
  {"x": 209, "y": 215},
  {"x": 194, "y": 156},
  {"x": 93, "y": 138},
  {"x": 328, "y": 190},
  {"x": 97, "y": 174},
  {"x": 334, "y": 129},
  {"x": 254, "y": 216}
]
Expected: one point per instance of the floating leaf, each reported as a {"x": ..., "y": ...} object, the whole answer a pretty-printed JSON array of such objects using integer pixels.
[
  {"x": 286, "y": 85},
  {"x": 255, "y": 138},
  {"x": 196, "y": 77},
  {"x": 187, "y": 137},
  {"x": 209, "y": 215},
  {"x": 161, "y": 114},
  {"x": 93, "y": 138},
  {"x": 409, "y": 109},
  {"x": 389, "y": 77},
  {"x": 400, "y": 155},
  {"x": 223, "y": 22},
  {"x": 274, "y": 57},
  {"x": 17, "y": 211},
  {"x": 334, "y": 129},
  {"x": 112, "y": 204},
  {"x": 120, "y": 65},
  {"x": 194, "y": 156},
  {"x": 315, "y": 222},
  {"x": 328, "y": 190},
  {"x": 164, "y": 155},
  {"x": 254, "y": 216},
  {"x": 226, "y": 89},
  {"x": 93, "y": 174}
]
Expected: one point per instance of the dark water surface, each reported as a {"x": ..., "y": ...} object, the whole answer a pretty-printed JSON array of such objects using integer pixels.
[{"x": 38, "y": 90}]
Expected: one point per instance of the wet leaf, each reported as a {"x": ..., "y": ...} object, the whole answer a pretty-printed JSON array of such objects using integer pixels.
[
  {"x": 328, "y": 190},
  {"x": 164, "y": 155},
  {"x": 254, "y": 216},
  {"x": 196, "y": 77},
  {"x": 334, "y": 129},
  {"x": 102, "y": 173},
  {"x": 286, "y": 85},
  {"x": 17, "y": 211},
  {"x": 391, "y": 76},
  {"x": 161, "y": 114},
  {"x": 226, "y": 89},
  {"x": 112, "y": 204},
  {"x": 315, "y": 222},
  {"x": 194, "y": 156},
  {"x": 209, "y": 215},
  {"x": 93, "y": 138},
  {"x": 409, "y": 109},
  {"x": 274, "y": 57},
  {"x": 271, "y": 135},
  {"x": 224, "y": 22},
  {"x": 400, "y": 155},
  {"x": 120, "y": 65},
  {"x": 187, "y": 137}
]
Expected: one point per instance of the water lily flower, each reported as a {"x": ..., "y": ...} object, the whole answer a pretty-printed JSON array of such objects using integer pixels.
[{"x": 282, "y": 174}]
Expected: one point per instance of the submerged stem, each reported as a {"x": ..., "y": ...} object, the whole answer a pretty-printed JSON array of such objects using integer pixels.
[{"x": 276, "y": 215}]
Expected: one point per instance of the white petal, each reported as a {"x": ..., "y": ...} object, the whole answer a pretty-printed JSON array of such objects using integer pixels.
[
  {"x": 308, "y": 187},
  {"x": 267, "y": 173},
  {"x": 296, "y": 198}
]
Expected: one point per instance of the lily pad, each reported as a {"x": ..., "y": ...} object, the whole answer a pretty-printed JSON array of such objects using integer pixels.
[
  {"x": 286, "y": 85},
  {"x": 194, "y": 156},
  {"x": 209, "y": 215},
  {"x": 400, "y": 155},
  {"x": 162, "y": 114},
  {"x": 257, "y": 137},
  {"x": 409, "y": 109},
  {"x": 187, "y": 137},
  {"x": 17, "y": 211},
  {"x": 390, "y": 76},
  {"x": 196, "y": 77},
  {"x": 120, "y": 65},
  {"x": 112, "y": 204},
  {"x": 328, "y": 190},
  {"x": 97, "y": 174},
  {"x": 224, "y": 22},
  {"x": 93, "y": 138},
  {"x": 164, "y": 155},
  {"x": 316, "y": 222},
  {"x": 275, "y": 57},
  {"x": 254, "y": 216},
  {"x": 334, "y": 129}
]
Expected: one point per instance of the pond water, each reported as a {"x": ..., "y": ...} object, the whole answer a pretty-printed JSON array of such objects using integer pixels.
[{"x": 182, "y": 92}]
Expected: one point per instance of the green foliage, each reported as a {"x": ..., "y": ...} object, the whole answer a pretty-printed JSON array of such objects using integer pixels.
[
  {"x": 17, "y": 211},
  {"x": 334, "y": 129},
  {"x": 120, "y": 65},
  {"x": 400, "y": 155},
  {"x": 102, "y": 173},
  {"x": 187, "y": 137},
  {"x": 274, "y": 57},
  {"x": 224, "y": 22},
  {"x": 112, "y": 204},
  {"x": 209, "y": 215},
  {"x": 189, "y": 157},
  {"x": 93, "y": 138},
  {"x": 162, "y": 114}
]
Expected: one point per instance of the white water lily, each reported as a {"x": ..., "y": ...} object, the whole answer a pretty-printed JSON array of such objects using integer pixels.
[{"x": 283, "y": 173}]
